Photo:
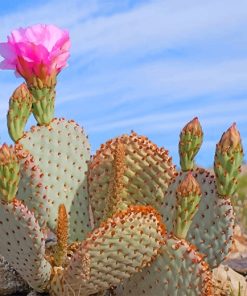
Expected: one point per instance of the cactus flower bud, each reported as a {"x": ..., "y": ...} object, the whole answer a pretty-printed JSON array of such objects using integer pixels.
[
  {"x": 9, "y": 173},
  {"x": 20, "y": 106},
  {"x": 230, "y": 139},
  {"x": 193, "y": 127},
  {"x": 188, "y": 197},
  {"x": 227, "y": 161},
  {"x": 190, "y": 142}
]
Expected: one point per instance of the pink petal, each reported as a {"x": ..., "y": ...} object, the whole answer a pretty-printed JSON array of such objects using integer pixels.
[
  {"x": 7, "y": 51},
  {"x": 6, "y": 65},
  {"x": 31, "y": 52}
]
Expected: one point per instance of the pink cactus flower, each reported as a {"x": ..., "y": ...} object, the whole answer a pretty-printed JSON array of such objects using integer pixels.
[{"x": 37, "y": 51}]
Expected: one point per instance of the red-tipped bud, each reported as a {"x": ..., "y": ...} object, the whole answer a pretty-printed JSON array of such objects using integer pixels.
[
  {"x": 193, "y": 127},
  {"x": 190, "y": 142},
  {"x": 227, "y": 161},
  {"x": 22, "y": 94},
  {"x": 189, "y": 186},
  {"x": 7, "y": 155},
  {"x": 230, "y": 139}
]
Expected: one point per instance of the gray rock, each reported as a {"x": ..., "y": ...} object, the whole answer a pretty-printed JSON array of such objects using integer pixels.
[
  {"x": 238, "y": 264},
  {"x": 10, "y": 281},
  {"x": 227, "y": 282},
  {"x": 33, "y": 293}
]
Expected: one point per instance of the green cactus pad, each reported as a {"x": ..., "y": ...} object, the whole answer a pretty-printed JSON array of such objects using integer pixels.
[
  {"x": 148, "y": 171},
  {"x": 121, "y": 246},
  {"x": 211, "y": 230},
  {"x": 178, "y": 270},
  {"x": 61, "y": 151},
  {"x": 23, "y": 244},
  {"x": 31, "y": 188}
]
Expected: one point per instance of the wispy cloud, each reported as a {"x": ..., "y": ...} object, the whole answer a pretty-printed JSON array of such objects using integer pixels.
[{"x": 159, "y": 24}]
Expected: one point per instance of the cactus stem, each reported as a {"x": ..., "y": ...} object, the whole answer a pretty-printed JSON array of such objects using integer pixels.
[
  {"x": 114, "y": 201},
  {"x": 62, "y": 237}
]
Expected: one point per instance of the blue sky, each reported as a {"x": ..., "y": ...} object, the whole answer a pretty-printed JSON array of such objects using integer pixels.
[{"x": 148, "y": 66}]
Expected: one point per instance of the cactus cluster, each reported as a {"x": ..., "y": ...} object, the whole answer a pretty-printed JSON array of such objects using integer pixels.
[{"x": 124, "y": 219}]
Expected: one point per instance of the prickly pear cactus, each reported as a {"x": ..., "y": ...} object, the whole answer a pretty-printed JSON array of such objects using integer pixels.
[{"x": 125, "y": 219}]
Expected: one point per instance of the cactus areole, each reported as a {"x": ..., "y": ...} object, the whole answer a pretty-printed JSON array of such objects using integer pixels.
[{"x": 124, "y": 220}]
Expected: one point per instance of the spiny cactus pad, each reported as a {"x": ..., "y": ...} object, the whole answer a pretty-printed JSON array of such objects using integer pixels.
[
  {"x": 178, "y": 270},
  {"x": 31, "y": 188},
  {"x": 121, "y": 246},
  {"x": 23, "y": 244},
  {"x": 148, "y": 170},
  {"x": 212, "y": 226},
  {"x": 61, "y": 151}
]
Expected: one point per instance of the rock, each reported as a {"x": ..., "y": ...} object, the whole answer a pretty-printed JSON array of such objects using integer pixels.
[
  {"x": 10, "y": 281},
  {"x": 239, "y": 242},
  {"x": 227, "y": 282},
  {"x": 238, "y": 264},
  {"x": 33, "y": 293}
]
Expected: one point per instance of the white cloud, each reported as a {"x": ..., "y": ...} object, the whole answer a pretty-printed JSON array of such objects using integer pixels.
[
  {"x": 212, "y": 115},
  {"x": 158, "y": 24}
]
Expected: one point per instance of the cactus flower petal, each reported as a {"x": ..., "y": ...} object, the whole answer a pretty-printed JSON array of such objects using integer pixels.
[{"x": 34, "y": 50}]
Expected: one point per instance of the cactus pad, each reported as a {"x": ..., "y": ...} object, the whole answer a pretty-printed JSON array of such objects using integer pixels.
[
  {"x": 212, "y": 226},
  {"x": 148, "y": 171},
  {"x": 61, "y": 151},
  {"x": 178, "y": 270},
  {"x": 121, "y": 246},
  {"x": 31, "y": 188},
  {"x": 23, "y": 244}
]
